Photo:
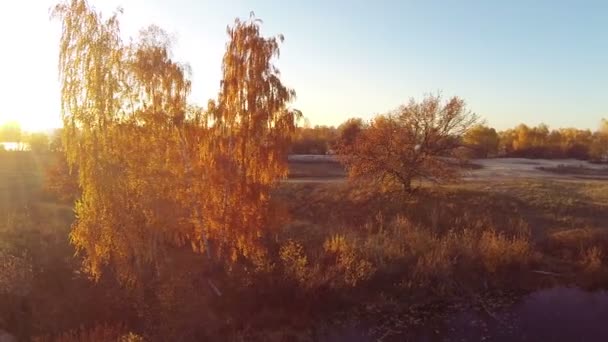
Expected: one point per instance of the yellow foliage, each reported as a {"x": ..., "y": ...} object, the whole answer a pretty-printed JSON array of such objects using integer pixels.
[
  {"x": 497, "y": 250},
  {"x": 294, "y": 261},
  {"x": 349, "y": 261},
  {"x": 153, "y": 169},
  {"x": 336, "y": 244},
  {"x": 484, "y": 140},
  {"x": 591, "y": 259},
  {"x": 411, "y": 142}
]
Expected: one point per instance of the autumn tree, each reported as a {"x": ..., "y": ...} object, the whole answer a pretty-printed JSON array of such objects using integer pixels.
[
  {"x": 603, "y": 127},
  {"x": 541, "y": 142},
  {"x": 505, "y": 142},
  {"x": 523, "y": 139},
  {"x": 599, "y": 145},
  {"x": 575, "y": 143},
  {"x": 416, "y": 141},
  {"x": 554, "y": 142},
  {"x": 314, "y": 140},
  {"x": 250, "y": 137},
  {"x": 155, "y": 171},
  {"x": 530, "y": 141},
  {"x": 348, "y": 132},
  {"x": 482, "y": 139}
]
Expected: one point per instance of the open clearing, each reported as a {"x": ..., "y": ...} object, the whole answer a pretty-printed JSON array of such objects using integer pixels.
[
  {"x": 543, "y": 231},
  {"x": 307, "y": 168},
  {"x": 565, "y": 212},
  {"x": 532, "y": 168}
]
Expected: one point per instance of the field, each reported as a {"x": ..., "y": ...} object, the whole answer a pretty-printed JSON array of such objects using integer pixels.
[
  {"x": 326, "y": 167},
  {"x": 349, "y": 256}
]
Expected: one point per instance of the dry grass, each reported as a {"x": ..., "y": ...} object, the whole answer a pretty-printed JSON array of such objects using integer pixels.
[
  {"x": 585, "y": 249},
  {"x": 571, "y": 241},
  {"x": 422, "y": 242},
  {"x": 340, "y": 246},
  {"x": 474, "y": 232},
  {"x": 99, "y": 332},
  {"x": 499, "y": 251}
]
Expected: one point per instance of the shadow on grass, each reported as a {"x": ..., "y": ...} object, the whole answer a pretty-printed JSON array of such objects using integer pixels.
[{"x": 539, "y": 205}]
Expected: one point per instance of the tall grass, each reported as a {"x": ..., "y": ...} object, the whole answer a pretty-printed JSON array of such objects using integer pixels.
[
  {"x": 420, "y": 256},
  {"x": 98, "y": 332}
]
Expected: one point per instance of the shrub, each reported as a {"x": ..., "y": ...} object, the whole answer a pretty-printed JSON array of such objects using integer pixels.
[
  {"x": 348, "y": 260},
  {"x": 591, "y": 259},
  {"x": 423, "y": 255},
  {"x": 497, "y": 250},
  {"x": 294, "y": 261}
]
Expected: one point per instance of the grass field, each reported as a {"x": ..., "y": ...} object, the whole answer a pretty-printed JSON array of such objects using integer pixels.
[
  {"x": 344, "y": 252},
  {"x": 41, "y": 288}
]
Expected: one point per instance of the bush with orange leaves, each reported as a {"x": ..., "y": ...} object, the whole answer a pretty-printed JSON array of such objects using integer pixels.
[
  {"x": 427, "y": 258},
  {"x": 340, "y": 264}
]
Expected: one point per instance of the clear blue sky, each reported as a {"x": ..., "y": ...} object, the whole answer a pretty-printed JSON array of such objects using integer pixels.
[{"x": 513, "y": 61}]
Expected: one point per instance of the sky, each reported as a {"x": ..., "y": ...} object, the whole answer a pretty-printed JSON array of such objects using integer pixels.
[{"x": 512, "y": 61}]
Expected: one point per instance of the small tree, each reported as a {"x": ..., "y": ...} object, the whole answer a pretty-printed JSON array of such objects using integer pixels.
[{"x": 418, "y": 140}]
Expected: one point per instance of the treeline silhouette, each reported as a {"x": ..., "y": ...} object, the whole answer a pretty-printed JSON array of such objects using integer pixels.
[{"x": 481, "y": 141}]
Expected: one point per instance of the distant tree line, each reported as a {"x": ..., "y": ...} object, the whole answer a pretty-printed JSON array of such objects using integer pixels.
[
  {"x": 541, "y": 142},
  {"x": 481, "y": 141},
  {"x": 314, "y": 140},
  {"x": 39, "y": 142}
]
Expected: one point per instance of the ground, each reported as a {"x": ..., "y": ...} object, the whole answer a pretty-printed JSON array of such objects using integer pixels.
[
  {"x": 326, "y": 167},
  {"x": 354, "y": 259},
  {"x": 561, "y": 203}
]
